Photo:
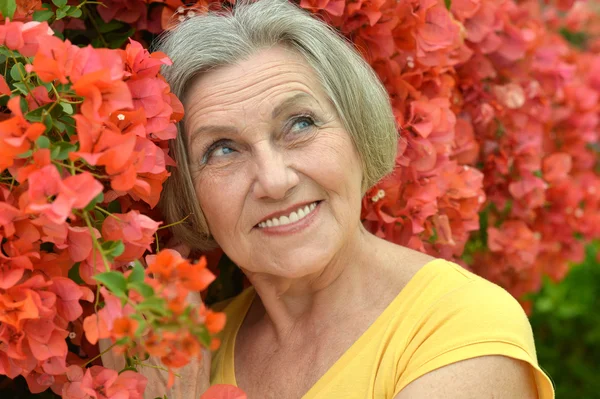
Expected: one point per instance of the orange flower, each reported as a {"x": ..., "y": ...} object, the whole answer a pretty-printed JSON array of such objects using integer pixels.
[
  {"x": 189, "y": 345},
  {"x": 74, "y": 192},
  {"x": 68, "y": 295},
  {"x": 16, "y": 134},
  {"x": 134, "y": 229},
  {"x": 195, "y": 277},
  {"x": 215, "y": 321},
  {"x": 101, "y": 324},
  {"x": 18, "y": 304},
  {"x": 556, "y": 166},
  {"x": 54, "y": 59},
  {"x": 23, "y": 37},
  {"x": 4, "y": 89},
  {"x": 156, "y": 346},
  {"x": 124, "y": 327},
  {"x": 164, "y": 264}
]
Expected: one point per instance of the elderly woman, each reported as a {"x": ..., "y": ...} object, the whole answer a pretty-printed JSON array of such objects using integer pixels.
[{"x": 285, "y": 129}]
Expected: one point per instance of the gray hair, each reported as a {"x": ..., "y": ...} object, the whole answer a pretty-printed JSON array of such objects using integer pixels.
[{"x": 215, "y": 39}]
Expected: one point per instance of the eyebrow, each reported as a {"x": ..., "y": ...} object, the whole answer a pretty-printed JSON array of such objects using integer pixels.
[{"x": 223, "y": 129}]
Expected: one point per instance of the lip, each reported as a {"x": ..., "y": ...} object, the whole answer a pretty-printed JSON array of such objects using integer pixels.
[
  {"x": 293, "y": 227},
  {"x": 286, "y": 211}
]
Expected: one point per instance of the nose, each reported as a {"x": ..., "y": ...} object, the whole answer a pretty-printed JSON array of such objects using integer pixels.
[{"x": 274, "y": 176}]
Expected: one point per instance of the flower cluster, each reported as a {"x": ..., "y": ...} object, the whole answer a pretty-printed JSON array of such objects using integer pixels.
[
  {"x": 496, "y": 104},
  {"x": 83, "y": 156},
  {"x": 497, "y": 107},
  {"x": 497, "y": 169}
]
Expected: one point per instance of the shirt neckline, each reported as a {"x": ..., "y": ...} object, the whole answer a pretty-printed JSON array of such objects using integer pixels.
[{"x": 342, "y": 361}]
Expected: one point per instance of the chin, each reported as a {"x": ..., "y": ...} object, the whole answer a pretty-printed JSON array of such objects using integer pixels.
[{"x": 296, "y": 266}]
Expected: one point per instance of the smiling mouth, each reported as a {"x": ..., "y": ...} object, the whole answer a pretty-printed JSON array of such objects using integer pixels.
[{"x": 292, "y": 217}]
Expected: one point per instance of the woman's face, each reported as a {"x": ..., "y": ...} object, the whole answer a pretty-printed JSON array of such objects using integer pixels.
[{"x": 276, "y": 173}]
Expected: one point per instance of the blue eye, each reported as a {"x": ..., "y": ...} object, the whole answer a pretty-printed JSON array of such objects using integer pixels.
[
  {"x": 220, "y": 148},
  {"x": 222, "y": 151},
  {"x": 302, "y": 123}
]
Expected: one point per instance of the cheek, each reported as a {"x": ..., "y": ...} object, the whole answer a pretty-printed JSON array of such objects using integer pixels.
[
  {"x": 337, "y": 164},
  {"x": 220, "y": 203}
]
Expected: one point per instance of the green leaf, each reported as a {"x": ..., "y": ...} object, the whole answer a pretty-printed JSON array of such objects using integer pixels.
[
  {"x": 36, "y": 114},
  {"x": 114, "y": 281},
  {"x": 154, "y": 304},
  {"x": 59, "y": 3},
  {"x": 74, "y": 12},
  {"x": 60, "y": 150},
  {"x": 144, "y": 289},
  {"x": 59, "y": 126},
  {"x": 203, "y": 335},
  {"x": 22, "y": 88},
  {"x": 43, "y": 142},
  {"x": 99, "y": 198},
  {"x": 68, "y": 108},
  {"x": 42, "y": 15},
  {"x": 448, "y": 4},
  {"x": 69, "y": 124},
  {"x": 8, "y": 8},
  {"x": 137, "y": 273},
  {"x": 128, "y": 369},
  {"x": 17, "y": 72},
  {"x": 26, "y": 154},
  {"x": 118, "y": 249},
  {"x": 74, "y": 274},
  {"x": 116, "y": 39},
  {"x": 5, "y": 51},
  {"x": 105, "y": 27},
  {"x": 47, "y": 121},
  {"x": 60, "y": 13},
  {"x": 113, "y": 248}
]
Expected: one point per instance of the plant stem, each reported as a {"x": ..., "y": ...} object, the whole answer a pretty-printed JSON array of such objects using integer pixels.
[
  {"x": 174, "y": 223},
  {"x": 99, "y": 354},
  {"x": 72, "y": 166},
  {"x": 95, "y": 242},
  {"x": 93, "y": 21},
  {"x": 104, "y": 211}
]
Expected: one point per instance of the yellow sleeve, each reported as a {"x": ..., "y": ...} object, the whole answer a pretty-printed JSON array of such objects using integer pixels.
[{"x": 478, "y": 319}]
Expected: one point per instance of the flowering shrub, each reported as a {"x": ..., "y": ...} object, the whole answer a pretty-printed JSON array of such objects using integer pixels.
[
  {"x": 497, "y": 107},
  {"x": 83, "y": 157}
]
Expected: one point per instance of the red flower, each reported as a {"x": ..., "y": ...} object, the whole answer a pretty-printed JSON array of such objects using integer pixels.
[
  {"x": 74, "y": 192},
  {"x": 23, "y": 37},
  {"x": 135, "y": 230},
  {"x": 16, "y": 134}
]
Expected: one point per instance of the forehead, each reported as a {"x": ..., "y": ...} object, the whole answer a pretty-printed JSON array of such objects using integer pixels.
[{"x": 255, "y": 84}]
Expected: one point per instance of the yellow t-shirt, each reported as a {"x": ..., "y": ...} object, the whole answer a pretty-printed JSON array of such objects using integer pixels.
[{"x": 443, "y": 315}]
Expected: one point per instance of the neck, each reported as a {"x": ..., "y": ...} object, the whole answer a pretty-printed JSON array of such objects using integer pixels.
[{"x": 315, "y": 300}]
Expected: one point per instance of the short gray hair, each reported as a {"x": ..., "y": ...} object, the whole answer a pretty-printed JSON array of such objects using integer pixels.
[{"x": 215, "y": 39}]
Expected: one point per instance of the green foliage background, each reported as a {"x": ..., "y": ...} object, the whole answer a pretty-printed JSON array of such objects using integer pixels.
[{"x": 566, "y": 327}]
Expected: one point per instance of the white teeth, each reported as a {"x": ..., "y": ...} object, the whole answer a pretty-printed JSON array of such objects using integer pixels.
[{"x": 291, "y": 218}]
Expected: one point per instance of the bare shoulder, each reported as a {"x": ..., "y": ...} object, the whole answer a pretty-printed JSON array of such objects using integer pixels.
[
  {"x": 390, "y": 269},
  {"x": 498, "y": 377},
  {"x": 403, "y": 263}
]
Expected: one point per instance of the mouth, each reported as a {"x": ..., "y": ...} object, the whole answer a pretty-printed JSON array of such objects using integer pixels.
[{"x": 292, "y": 217}]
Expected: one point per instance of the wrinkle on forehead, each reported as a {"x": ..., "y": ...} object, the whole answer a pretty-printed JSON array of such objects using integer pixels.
[{"x": 265, "y": 77}]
